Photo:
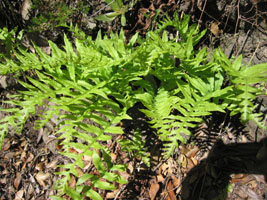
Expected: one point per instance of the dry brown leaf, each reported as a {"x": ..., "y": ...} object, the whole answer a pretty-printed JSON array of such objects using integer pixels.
[
  {"x": 72, "y": 150},
  {"x": 17, "y": 180},
  {"x": 130, "y": 167},
  {"x": 52, "y": 164},
  {"x": 23, "y": 144},
  {"x": 41, "y": 177},
  {"x": 170, "y": 190},
  {"x": 190, "y": 164},
  {"x": 191, "y": 153},
  {"x": 176, "y": 181},
  {"x": 113, "y": 157},
  {"x": 160, "y": 178},
  {"x": 25, "y": 9},
  {"x": 4, "y": 172},
  {"x": 30, "y": 157},
  {"x": 3, "y": 181},
  {"x": 30, "y": 190},
  {"x": 194, "y": 160},
  {"x": 153, "y": 190},
  {"x": 19, "y": 195},
  {"x": 171, "y": 165},
  {"x": 182, "y": 160},
  {"x": 87, "y": 158},
  {"x": 3, "y": 82},
  {"x": 242, "y": 178},
  {"x": 24, "y": 166},
  {"x": 23, "y": 155},
  {"x": 111, "y": 195},
  {"x": 9, "y": 155},
  {"x": 18, "y": 163},
  {"x": 39, "y": 166},
  {"x": 214, "y": 28},
  {"x": 163, "y": 168},
  {"x": 79, "y": 170},
  {"x": 72, "y": 182},
  {"x": 253, "y": 183},
  {"x": 6, "y": 145}
]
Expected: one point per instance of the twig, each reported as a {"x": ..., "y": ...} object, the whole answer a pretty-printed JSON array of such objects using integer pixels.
[
  {"x": 254, "y": 54},
  {"x": 118, "y": 193},
  {"x": 102, "y": 9},
  {"x": 243, "y": 44},
  {"x": 238, "y": 15},
  {"x": 202, "y": 13}
]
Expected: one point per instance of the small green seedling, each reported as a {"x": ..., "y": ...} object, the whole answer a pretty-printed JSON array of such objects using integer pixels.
[{"x": 118, "y": 8}]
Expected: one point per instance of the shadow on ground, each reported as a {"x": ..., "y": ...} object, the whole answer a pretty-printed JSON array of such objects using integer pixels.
[{"x": 210, "y": 179}]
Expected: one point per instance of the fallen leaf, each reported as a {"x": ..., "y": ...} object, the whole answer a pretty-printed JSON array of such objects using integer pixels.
[
  {"x": 39, "y": 166},
  {"x": 18, "y": 163},
  {"x": 153, "y": 190},
  {"x": 111, "y": 195},
  {"x": 160, "y": 178},
  {"x": 19, "y": 195},
  {"x": 214, "y": 28},
  {"x": 3, "y": 82},
  {"x": 52, "y": 164},
  {"x": 9, "y": 155},
  {"x": 190, "y": 164},
  {"x": 182, "y": 160},
  {"x": 25, "y": 9},
  {"x": 3, "y": 181},
  {"x": 79, "y": 170},
  {"x": 170, "y": 190},
  {"x": 72, "y": 150},
  {"x": 176, "y": 181},
  {"x": 194, "y": 160},
  {"x": 130, "y": 167},
  {"x": 6, "y": 144},
  {"x": 41, "y": 177},
  {"x": 23, "y": 155},
  {"x": 5, "y": 172},
  {"x": 23, "y": 144},
  {"x": 192, "y": 152},
  {"x": 164, "y": 166},
  {"x": 24, "y": 166},
  {"x": 87, "y": 158},
  {"x": 113, "y": 157},
  {"x": 72, "y": 182},
  {"x": 30, "y": 190},
  {"x": 17, "y": 180},
  {"x": 30, "y": 157}
]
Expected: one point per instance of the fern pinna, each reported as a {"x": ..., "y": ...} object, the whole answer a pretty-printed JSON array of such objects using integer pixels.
[{"x": 90, "y": 88}]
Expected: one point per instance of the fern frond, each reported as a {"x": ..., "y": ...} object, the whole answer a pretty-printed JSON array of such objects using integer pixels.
[{"x": 244, "y": 92}]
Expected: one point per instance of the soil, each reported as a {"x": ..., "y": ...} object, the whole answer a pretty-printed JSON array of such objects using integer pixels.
[{"x": 224, "y": 158}]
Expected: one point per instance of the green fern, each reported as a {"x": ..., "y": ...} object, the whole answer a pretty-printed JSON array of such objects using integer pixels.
[
  {"x": 91, "y": 87},
  {"x": 79, "y": 85},
  {"x": 243, "y": 78}
]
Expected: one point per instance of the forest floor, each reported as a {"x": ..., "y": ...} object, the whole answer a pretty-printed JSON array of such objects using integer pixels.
[{"x": 224, "y": 159}]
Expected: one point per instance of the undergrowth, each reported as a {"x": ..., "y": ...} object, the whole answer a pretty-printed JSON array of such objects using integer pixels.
[{"x": 91, "y": 85}]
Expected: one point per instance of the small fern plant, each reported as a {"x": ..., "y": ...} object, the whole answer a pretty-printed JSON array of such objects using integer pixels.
[{"x": 91, "y": 87}]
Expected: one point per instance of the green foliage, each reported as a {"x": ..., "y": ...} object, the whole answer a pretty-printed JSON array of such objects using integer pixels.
[
  {"x": 9, "y": 40},
  {"x": 53, "y": 14},
  {"x": 119, "y": 10},
  {"x": 91, "y": 87},
  {"x": 244, "y": 91},
  {"x": 136, "y": 147}
]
